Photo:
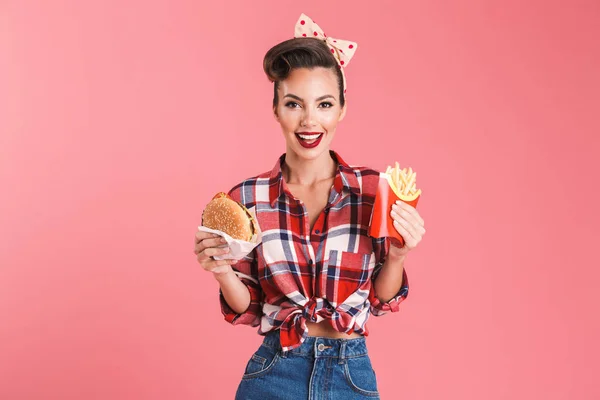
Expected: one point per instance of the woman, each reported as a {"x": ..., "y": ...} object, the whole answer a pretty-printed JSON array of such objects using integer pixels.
[{"x": 317, "y": 276}]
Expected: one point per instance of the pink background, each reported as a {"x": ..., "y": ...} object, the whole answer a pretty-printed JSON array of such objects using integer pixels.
[{"x": 120, "y": 119}]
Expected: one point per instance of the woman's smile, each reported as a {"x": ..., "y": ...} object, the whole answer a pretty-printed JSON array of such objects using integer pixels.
[{"x": 309, "y": 140}]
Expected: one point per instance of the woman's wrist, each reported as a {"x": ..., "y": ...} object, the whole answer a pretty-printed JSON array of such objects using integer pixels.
[
  {"x": 396, "y": 254},
  {"x": 226, "y": 276},
  {"x": 235, "y": 292}
]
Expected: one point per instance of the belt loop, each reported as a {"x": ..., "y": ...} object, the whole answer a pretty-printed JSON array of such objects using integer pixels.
[
  {"x": 282, "y": 353},
  {"x": 342, "y": 358}
]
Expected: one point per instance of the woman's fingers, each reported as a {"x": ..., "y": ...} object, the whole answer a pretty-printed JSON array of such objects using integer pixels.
[
  {"x": 403, "y": 212},
  {"x": 213, "y": 265},
  {"x": 204, "y": 240},
  {"x": 209, "y": 243},
  {"x": 408, "y": 224},
  {"x": 200, "y": 236},
  {"x": 407, "y": 228},
  {"x": 409, "y": 240},
  {"x": 206, "y": 246},
  {"x": 209, "y": 252},
  {"x": 208, "y": 263},
  {"x": 411, "y": 211},
  {"x": 216, "y": 251}
]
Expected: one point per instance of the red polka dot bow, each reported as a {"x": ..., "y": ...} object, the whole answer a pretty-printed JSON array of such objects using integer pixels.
[{"x": 342, "y": 50}]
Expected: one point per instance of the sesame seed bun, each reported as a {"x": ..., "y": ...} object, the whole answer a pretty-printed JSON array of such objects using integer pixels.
[{"x": 224, "y": 214}]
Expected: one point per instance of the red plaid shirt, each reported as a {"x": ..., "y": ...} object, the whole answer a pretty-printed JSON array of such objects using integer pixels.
[{"x": 297, "y": 275}]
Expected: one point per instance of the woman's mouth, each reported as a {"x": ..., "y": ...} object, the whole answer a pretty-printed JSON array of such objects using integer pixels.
[{"x": 309, "y": 140}]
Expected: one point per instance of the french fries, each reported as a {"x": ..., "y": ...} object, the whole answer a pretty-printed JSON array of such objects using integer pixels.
[{"x": 403, "y": 182}]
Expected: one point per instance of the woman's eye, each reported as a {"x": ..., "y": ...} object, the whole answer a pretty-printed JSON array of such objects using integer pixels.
[{"x": 293, "y": 104}]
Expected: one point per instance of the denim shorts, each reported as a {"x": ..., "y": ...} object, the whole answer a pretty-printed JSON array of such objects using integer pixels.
[{"x": 321, "y": 368}]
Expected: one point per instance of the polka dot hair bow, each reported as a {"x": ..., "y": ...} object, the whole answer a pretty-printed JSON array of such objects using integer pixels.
[{"x": 342, "y": 50}]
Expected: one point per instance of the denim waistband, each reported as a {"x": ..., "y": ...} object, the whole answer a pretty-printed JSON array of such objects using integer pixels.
[{"x": 318, "y": 346}]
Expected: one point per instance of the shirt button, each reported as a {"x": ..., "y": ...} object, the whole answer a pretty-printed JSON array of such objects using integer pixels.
[
  {"x": 317, "y": 231},
  {"x": 321, "y": 347},
  {"x": 310, "y": 262}
]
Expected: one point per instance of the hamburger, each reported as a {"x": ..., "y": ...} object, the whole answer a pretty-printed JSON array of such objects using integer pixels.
[{"x": 224, "y": 214}]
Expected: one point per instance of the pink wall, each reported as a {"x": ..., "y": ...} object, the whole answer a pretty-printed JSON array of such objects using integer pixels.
[{"x": 119, "y": 120}]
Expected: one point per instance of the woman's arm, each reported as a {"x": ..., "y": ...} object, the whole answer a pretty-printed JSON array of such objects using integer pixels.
[
  {"x": 411, "y": 226},
  {"x": 390, "y": 278},
  {"x": 236, "y": 294}
]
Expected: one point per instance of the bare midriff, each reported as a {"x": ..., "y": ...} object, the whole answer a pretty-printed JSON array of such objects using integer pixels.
[{"x": 324, "y": 329}]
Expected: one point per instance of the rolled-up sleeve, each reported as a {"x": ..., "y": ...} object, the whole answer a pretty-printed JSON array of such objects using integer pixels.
[
  {"x": 381, "y": 246},
  {"x": 246, "y": 270}
]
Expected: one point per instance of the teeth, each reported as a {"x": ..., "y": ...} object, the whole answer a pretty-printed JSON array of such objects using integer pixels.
[{"x": 309, "y": 137}]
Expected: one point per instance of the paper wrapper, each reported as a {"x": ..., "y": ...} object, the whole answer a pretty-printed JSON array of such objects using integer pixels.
[
  {"x": 382, "y": 224},
  {"x": 238, "y": 249}
]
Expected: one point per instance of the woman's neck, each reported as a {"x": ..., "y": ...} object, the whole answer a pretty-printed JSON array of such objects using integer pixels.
[{"x": 298, "y": 171}]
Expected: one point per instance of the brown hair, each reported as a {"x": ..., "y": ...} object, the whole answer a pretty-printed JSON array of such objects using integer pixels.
[{"x": 295, "y": 53}]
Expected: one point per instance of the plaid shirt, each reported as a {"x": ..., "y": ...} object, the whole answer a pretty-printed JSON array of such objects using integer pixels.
[{"x": 297, "y": 275}]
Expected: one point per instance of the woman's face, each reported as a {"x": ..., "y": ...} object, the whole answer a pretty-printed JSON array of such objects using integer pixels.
[{"x": 309, "y": 111}]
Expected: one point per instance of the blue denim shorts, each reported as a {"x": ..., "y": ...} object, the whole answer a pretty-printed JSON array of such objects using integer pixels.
[{"x": 321, "y": 368}]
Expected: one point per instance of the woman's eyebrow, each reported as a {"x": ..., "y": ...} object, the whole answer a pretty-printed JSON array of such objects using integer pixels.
[{"x": 293, "y": 96}]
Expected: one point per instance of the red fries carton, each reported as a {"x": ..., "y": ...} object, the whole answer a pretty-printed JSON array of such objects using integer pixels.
[{"x": 394, "y": 184}]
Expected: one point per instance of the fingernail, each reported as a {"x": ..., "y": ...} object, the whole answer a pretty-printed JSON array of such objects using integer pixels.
[{"x": 223, "y": 240}]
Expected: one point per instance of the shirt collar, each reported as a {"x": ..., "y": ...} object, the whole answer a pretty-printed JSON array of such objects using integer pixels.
[{"x": 345, "y": 178}]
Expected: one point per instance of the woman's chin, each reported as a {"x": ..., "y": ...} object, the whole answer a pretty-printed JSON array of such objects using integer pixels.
[{"x": 309, "y": 154}]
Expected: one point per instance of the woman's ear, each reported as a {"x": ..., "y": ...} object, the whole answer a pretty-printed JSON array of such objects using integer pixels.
[
  {"x": 343, "y": 113},
  {"x": 275, "y": 113}
]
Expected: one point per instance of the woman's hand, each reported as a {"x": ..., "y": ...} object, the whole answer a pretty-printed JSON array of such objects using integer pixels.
[
  {"x": 410, "y": 225},
  {"x": 207, "y": 246}
]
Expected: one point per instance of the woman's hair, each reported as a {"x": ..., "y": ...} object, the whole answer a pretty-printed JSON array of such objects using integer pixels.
[{"x": 295, "y": 53}]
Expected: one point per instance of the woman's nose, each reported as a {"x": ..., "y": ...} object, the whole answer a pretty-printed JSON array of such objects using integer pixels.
[{"x": 307, "y": 118}]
